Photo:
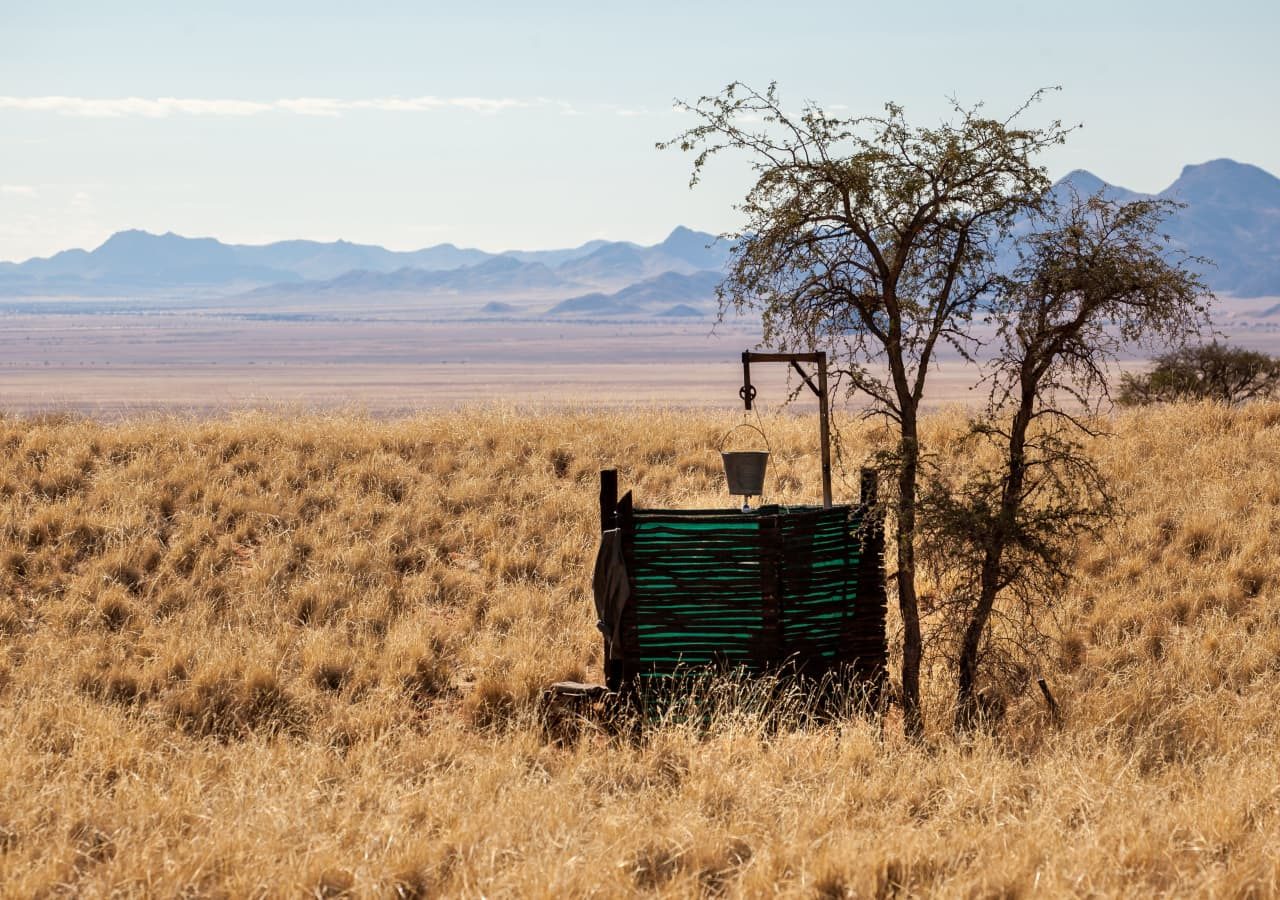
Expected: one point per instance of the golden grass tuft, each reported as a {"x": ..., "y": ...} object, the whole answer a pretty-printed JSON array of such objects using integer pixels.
[{"x": 263, "y": 656}]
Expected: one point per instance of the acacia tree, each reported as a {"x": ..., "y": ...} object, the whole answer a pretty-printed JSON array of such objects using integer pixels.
[
  {"x": 1097, "y": 276},
  {"x": 874, "y": 239},
  {"x": 1212, "y": 371}
]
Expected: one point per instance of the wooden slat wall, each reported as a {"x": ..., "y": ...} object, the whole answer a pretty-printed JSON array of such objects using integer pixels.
[{"x": 801, "y": 588}]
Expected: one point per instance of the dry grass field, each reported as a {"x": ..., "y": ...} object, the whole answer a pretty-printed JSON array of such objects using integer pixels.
[{"x": 265, "y": 656}]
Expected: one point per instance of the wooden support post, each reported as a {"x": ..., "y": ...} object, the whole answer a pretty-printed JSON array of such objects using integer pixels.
[
  {"x": 824, "y": 430},
  {"x": 609, "y": 520},
  {"x": 819, "y": 358},
  {"x": 608, "y": 499},
  {"x": 621, "y": 670}
]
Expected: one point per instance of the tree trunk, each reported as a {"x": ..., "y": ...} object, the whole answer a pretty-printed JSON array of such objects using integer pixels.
[
  {"x": 993, "y": 557},
  {"x": 967, "y": 676},
  {"x": 908, "y": 604}
]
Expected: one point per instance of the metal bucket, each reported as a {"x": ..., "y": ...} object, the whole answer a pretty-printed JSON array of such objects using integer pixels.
[{"x": 744, "y": 470}]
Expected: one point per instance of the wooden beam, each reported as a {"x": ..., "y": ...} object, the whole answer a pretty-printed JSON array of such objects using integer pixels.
[
  {"x": 807, "y": 380},
  {"x": 824, "y": 406},
  {"x": 783, "y": 357}
]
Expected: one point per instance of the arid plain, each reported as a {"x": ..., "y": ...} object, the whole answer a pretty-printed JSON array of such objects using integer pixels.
[
  {"x": 113, "y": 365},
  {"x": 94, "y": 359}
]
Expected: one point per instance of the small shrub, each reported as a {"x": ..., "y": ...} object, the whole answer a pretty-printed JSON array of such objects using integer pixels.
[
  {"x": 331, "y": 675},
  {"x": 112, "y": 684},
  {"x": 93, "y": 844},
  {"x": 229, "y": 705},
  {"x": 654, "y": 866},
  {"x": 426, "y": 678},
  {"x": 115, "y": 612},
  {"x": 492, "y": 704},
  {"x": 411, "y": 884},
  {"x": 332, "y": 884}
]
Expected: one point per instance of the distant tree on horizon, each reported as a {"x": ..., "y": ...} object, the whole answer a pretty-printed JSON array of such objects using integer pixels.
[{"x": 1213, "y": 371}]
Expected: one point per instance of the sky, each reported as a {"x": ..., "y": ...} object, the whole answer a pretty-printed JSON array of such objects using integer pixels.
[{"x": 525, "y": 126}]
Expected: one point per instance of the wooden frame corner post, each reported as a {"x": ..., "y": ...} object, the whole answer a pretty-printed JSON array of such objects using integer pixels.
[{"x": 818, "y": 358}]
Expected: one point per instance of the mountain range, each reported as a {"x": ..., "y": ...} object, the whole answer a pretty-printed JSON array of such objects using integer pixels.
[
  {"x": 686, "y": 291},
  {"x": 137, "y": 261},
  {"x": 1231, "y": 215}
]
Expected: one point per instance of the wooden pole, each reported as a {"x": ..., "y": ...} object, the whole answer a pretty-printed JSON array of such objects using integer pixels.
[
  {"x": 824, "y": 406},
  {"x": 748, "y": 392},
  {"x": 824, "y": 430},
  {"x": 608, "y": 499},
  {"x": 608, "y": 520}
]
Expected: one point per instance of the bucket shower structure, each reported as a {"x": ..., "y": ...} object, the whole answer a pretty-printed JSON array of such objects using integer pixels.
[
  {"x": 819, "y": 387},
  {"x": 744, "y": 470}
]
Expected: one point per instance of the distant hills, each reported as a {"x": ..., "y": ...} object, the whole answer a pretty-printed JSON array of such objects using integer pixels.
[
  {"x": 494, "y": 276},
  {"x": 139, "y": 260},
  {"x": 1232, "y": 216},
  {"x": 646, "y": 296},
  {"x": 687, "y": 265}
]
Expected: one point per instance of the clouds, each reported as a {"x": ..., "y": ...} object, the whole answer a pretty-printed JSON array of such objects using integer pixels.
[
  {"x": 133, "y": 106},
  {"x": 164, "y": 107},
  {"x": 330, "y": 107}
]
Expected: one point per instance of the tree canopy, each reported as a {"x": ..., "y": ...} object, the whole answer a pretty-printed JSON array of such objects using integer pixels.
[
  {"x": 881, "y": 241},
  {"x": 875, "y": 239},
  {"x": 1213, "y": 371},
  {"x": 1094, "y": 276}
]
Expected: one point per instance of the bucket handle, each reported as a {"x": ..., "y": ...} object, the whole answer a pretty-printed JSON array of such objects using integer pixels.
[{"x": 755, "y": 428}]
